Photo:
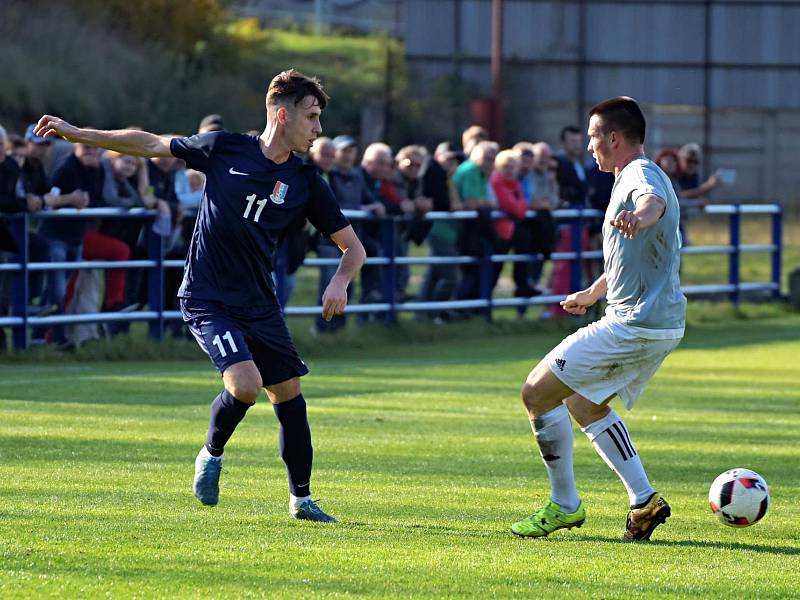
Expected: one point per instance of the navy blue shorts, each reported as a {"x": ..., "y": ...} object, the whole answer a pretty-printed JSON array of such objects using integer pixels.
[{"x": 232, "y": 334}]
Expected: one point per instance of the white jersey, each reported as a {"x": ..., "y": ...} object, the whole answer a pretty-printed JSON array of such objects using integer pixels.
[{"x": 642, "y": 274}]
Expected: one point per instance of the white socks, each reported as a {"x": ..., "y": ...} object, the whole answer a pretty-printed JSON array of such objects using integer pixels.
[
  {"x": 610, "y": 439},
  {"x": 204, "y": 453},
  {"x": 553, "y": 431},
  {"x": 295, "y": 502}
]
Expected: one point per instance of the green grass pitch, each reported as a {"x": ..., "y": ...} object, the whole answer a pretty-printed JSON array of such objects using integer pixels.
[{"x": 426, "y": 457}]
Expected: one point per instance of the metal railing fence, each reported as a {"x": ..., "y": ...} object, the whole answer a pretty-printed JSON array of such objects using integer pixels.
[{"x": 21, "y": 321}]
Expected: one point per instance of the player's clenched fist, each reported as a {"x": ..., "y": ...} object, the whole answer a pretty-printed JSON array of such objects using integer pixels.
[
  {"x": 577, "y": 303},
  {"x": 49, "y": 126},
  {"x": 628, "y": 223}
]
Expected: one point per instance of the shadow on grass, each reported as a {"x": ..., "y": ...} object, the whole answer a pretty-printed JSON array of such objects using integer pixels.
[
  {"x": 202, "y": 397},
  {"x": 741, "y": 333},
  {"x": 700, "y": 544},
  {"x": 157, "y": 390}
]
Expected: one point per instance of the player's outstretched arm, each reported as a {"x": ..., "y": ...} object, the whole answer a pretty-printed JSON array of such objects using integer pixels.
[
  {"x": 334, "y": 299},
  {"x": 648, "y": 211},
  {"x": 577, "y": 303},
  {"x": 125, "y": 141}
]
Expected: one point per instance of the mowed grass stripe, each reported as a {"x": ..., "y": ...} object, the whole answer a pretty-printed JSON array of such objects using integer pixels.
[{"x": 425, "y": 455}]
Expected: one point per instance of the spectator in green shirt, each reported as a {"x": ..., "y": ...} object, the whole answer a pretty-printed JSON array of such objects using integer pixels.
[{"x": 476, "y": 237}]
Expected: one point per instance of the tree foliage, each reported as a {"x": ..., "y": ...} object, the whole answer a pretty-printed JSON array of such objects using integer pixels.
[
  {"x": 163, "y": 64},
  {"x": 179, "y": 26}
]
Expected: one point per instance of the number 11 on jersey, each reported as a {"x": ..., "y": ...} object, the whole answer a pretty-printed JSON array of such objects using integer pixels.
[
  {"x": 217, "y": 341},
  {"x": 250, "y": 200}
]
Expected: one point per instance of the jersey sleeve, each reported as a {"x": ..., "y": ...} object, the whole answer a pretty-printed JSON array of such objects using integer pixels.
[
  {"x": 196, "y": 150},
  {"x": 323, "y": 210},
  {"x": 650, "y": 183}
]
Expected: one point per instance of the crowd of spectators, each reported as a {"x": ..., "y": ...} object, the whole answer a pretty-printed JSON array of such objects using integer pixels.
[{"x": 38, "y": 174}]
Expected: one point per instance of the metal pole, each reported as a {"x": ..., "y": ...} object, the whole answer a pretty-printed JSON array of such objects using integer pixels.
[
  {"x": 389, "y": 83},
  {"x": 707, "y": 108},
  {"x": 576, "y": 266},
  {"x": 497, "y": 70},
  {"x": 155, "y": 282},
  {"x": 486, "y": 277},
  {"x": 581, "y": 70},
  {"x": 319, "y": 17},
  {"x": 735, "y": 255},
  {"x": 389, "y": 282},
  {"x": 20, "y": 295},
  {"x": 458, "y": 70},
  {"x": 387, "y": 92},
  {"x": 777, "y": 241}
]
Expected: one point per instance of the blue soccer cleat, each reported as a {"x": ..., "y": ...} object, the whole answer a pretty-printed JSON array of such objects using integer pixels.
[
  {"x": 309, "y": 511},
  {"x": 206, "y": 477}
]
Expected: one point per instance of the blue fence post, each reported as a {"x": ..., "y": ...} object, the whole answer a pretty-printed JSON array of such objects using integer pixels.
[
  {"x": 486, "y": 277},
  {"x": 155, "y": 282},
  {"x": 576, "y": 266},
  {"x": 733, "y": 259},
  {"x": 777, "y": 241},
  {"x": 389, "y": 279},
  {"x": 20, "y": 294}
]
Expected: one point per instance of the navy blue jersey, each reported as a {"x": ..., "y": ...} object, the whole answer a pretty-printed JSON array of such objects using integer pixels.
[
  {"x": 71, "y": 175},
  {"x": 249, "y": 201}
]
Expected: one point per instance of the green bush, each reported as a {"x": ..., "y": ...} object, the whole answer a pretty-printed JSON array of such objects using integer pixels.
[{"x": 163, "y": 65}]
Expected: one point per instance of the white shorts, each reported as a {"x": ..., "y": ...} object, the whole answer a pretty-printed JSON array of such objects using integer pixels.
[{"x": 607, "y": 358}]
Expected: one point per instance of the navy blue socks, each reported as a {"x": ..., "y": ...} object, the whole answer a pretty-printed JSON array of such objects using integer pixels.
[
  {"x": 294, "y": 441},
  {"x": 226, "y": 412},
  {"x": 294, "y": 437}
]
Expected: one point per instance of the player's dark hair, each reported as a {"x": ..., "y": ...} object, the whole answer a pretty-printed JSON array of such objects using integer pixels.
[
  {"x": 623, "y": 115},
  {"x": 292, "y": 86},
  {"x": 568, "y": 129}
]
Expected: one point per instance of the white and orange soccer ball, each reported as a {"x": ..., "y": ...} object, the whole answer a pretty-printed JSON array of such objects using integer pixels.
[{"x": 739, "y": 497}]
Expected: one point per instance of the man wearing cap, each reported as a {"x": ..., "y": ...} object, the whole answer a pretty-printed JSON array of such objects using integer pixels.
[
  {"x": 33, "y": 191},
  {"x": 34, "y": 179},
  {"x": 689, "y": 157},
  {"x": 352, "y": 194},
  {"x": 32, "y": 174},
  {"x": 349, "y": 188},
  {"x": 51, "y": 153}
]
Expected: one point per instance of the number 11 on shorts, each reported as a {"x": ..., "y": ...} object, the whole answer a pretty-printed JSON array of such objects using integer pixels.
[{"x": 217, "y": 341}]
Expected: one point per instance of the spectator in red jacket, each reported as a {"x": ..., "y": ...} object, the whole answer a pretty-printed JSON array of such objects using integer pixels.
[{"x": 506, "y": 187}]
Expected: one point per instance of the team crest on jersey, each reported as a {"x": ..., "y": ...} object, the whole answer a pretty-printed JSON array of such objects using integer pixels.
[{"x": 278, "y": 194}]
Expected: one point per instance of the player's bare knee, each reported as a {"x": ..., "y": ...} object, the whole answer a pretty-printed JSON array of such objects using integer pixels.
[
  {"x": 525, "y": 393},
  {"x": 586, "y": 412},
  {"x": 284, "y": 391},
  {"x": 245, "y": 388},
  {"x": 530, "y": 395}
]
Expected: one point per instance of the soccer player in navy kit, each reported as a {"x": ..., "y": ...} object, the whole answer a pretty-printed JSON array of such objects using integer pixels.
[{"x": 255, "y": 189}]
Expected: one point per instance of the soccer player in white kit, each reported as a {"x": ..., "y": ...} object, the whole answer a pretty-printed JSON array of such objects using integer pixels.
[{"x": 620, "y": 353}]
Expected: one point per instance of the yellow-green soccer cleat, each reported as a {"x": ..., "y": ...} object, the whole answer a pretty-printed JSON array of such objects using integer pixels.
[
  {"x": 547, "y": 519},
  {"x": 642, "y": 521}
]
